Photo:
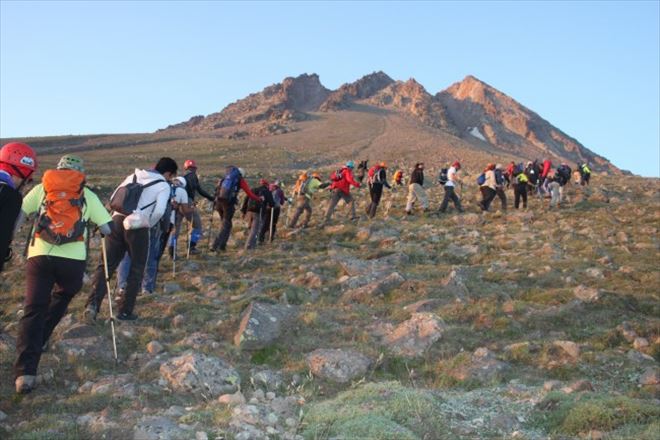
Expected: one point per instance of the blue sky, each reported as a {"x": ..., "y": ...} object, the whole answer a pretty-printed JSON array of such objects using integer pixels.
[{"x": 590, "y": 68}]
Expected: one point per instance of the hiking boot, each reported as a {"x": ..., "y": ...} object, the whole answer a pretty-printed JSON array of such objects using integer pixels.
[
  {"x": 123, "y": 316},
  {"x": 146, "y": 292},
  {"x": 25, "y": 384},
  {"x": 409, "y": 213},
  {"x": 89, "y": 315},
  {"x": 194, "y": 251}
]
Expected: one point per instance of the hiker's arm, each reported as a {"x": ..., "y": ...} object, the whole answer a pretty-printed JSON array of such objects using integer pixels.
[
  {"x": 106, "y": 229},
  {"x": 97, "y": 213},
  {"x": 203, "y": 193},
  {"x": 246, "y": 188},
  {"x": 162, "y": 199},
  {"x": 351, "y": 180}
]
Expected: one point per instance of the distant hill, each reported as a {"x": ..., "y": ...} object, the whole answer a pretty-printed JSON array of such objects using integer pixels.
[{"x": 469, "y": 118}]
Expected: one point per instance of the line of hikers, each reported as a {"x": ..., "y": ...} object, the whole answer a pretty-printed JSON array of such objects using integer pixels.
[{"x": 145, "y": 217}]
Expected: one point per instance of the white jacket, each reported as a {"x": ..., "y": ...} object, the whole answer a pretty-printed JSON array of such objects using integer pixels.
[{"x": 158, "y": 193}]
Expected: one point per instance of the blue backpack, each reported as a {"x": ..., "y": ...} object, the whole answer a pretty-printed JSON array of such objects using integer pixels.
[
  {"x": 229, "y": 185},
  {"x": 481, "y": 179}
]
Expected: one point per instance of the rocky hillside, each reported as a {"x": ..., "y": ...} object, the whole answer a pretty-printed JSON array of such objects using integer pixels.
[
  {"x": 476, "y": 114},
  {"x": 479, "y": 110},
  {"x": 528, "y": 324}
]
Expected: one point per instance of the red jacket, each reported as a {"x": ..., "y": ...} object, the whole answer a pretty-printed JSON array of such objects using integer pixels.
[
  {"x": 245, "y": 187},
  {"x": 547, "y": 165},
  {"x": 346, "y": 181}
]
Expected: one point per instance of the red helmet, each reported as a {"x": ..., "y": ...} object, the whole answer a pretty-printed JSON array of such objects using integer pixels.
[
  {"x": 456, "y": 164},
  {"x": 18, "y": 159},
  {"x": 263, "y": 182},
  {"x": 189, "y": 164}
]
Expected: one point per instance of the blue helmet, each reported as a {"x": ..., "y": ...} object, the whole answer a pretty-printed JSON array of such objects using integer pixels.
[{"x": 350, "y": 164}]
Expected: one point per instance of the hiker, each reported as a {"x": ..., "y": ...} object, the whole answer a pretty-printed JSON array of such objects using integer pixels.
[
  {"x": 520, "y": 183},
  {"x": 398, "y": 178},
  {"x": 138, "y": 204},
  {"x": 193, "y": 186},
  {"x": 554, "y": 188},
  {"x": 544, "y": 178},
  {"x": 181, "y": 209},
  {"x": 377, "y": 178},
  {"x": 585, "y": 173},
  {"x": 416, "y": 189},
  {"x": 56, "y": 256},
  {"x": 272, "y": 213},
  {"x": 500, "y": 181},
  {"x": 305, "y": 187},
  {"x": 342, "y": 180},
  {"x": 226, "y": 198},
  {"x": 508, "y": 174},
  {"x": 361, "y": 170},
  {"x": 450, "y": 182},
  {"x": 158, "y": 238},
  {"x": 18, "y": 162},
  {"x": 533, "y": 173},
  {"x": 254, "y": 212},
  {"x": 562, "y": 176},
  {"x": 488, "y": 187}
]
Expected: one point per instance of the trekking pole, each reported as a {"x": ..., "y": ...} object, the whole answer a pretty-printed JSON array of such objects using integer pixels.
[
  {"x": 174, "y": 243},
  {"x": 272, "y": 214},
  {"x": 189, "y": 233},
  {"x": 107, "y": 286},
  {"x": 208, "y": 239}
]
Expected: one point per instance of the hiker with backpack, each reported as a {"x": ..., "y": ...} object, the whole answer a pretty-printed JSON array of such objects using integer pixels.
[
  {"x": 192, "y": 187},
  {"x": 56, "y": 257},
  {"x": 18, "y": 162},
  {"x": 138, "y": 205},
  {"x": 585, "y": 173},
  {"x": 342, "y": 180},
  {"x": 533, "y": 173},
  {"x": 226, "y": 198},
  {"x": 544, "y": 179},
  {"x": 554, "y": 188},
  {"x": 488, "y": 186},
  {"x": 181, "y": 209},
  {"x": 377, "y": 178},
  {"x": 254, "y": 212},
  {"x": 272, "y": 214},
  {"x": 303, "y": 190},
  {"x": 520, "y": 183},
  {"x": 500, "y": 181},
  {"x": 158, "y": 238},
  {"x": 398, "y": 178},
  {"x": 449, "y": 178},
  {"x": 416, "y": 189}
]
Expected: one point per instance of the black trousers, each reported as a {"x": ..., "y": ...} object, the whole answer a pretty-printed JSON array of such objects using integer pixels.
[
  {"x": 136, "y": 243},
  {"x": 376, "y": 192},
  {"x": 265, "y": 227},
  {"x": 488, "y": 195},
  {"x": 43, "y": 306},
  {"x": 226, "y": 209},
  {"x": 520, "y": 191},
  {"x": 502, "y": 195},
  {"x": 450, "y": 194}
]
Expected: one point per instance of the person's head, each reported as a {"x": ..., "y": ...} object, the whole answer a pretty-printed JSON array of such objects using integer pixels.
[
  {"x": 383, "y": 165},
  {"x": 498, "y": 166},
  {"x": 420, "y": 165},
  {"x": 167, "y": 167},
  {"x": 190, "y": 165},
  {"x": 19, "y": 161},
  {"x": 457, "y": 165},
  {"x": 276, "y": 182},
  {"x": 350, "y": 164},
  {"x": 316, "y": 176},
  {"x": 71, "y": 162},
  {"x": 490, "y": 167},
  {"x": 180, "y": 182},
  {"x": 241, "y": 171},
  {"x": 263, "y": 182}
]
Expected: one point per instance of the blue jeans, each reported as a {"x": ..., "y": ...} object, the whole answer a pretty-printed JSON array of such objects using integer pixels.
[{"x": 151, "y": 268}]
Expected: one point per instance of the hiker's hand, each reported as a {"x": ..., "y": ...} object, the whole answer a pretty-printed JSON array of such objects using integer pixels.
[{"x": 262, "y": 198}]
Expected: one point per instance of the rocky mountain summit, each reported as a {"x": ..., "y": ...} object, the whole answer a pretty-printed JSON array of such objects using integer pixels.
[{"x": 469, "y": 113}]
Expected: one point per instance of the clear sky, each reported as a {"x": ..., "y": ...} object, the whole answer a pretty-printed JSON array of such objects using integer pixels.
[{"x": 590, "y": 68}]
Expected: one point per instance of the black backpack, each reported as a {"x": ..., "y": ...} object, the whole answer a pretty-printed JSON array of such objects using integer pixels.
[
  {"x": 444, "y": 176},
  {"x": 499, "y": 177},
  {"x": 126, "y": 198}
]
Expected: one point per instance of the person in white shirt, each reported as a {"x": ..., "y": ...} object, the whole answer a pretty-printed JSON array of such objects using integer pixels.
[
  {"x": 450, "y": 188},
  {"x": 133, "y": 239},
  {"x": 181, "y": 208}
]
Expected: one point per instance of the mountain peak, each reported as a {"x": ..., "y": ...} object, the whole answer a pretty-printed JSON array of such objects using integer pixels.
[{"x": 363, "y": 88}]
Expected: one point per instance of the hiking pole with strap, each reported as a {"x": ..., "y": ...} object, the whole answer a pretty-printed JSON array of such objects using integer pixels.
[
  {"x": 272, "y": 215},
  {"x": 189, "y": 233},
  {"x": 208, "y": 239},
  {"x": 107, "y": 286}
]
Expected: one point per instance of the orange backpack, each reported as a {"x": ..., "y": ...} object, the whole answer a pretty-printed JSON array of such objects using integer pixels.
[{"x": 61, "y": 220}]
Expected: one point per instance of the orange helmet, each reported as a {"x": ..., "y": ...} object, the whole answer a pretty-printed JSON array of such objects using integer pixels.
[
  {"x": 18, "y": 159},
  {"x": 383, "y": 165}
]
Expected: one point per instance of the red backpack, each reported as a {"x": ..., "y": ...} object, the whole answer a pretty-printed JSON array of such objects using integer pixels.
[{"x": 60, "y": 219}]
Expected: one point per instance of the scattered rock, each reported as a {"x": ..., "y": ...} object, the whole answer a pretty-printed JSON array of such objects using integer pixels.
[
  {"x": 551, "y": 385},
  {"x": 337, "y": 365},
  {"x": 461, "y": 251},
  {"x": 380, "y": 287},
  {"x": 232, "y": 399},
  {"x": 637, "y": 356},
  {"x": 483, "y": 367},
  {"x": 178, "y": 321},
  {"x": 155, "y": 347},
  {"x": 270, "y": 380},
  {"x": 425, "y": 305},
  {"x": 171, "y": 288},
  {"x": 651, "y": 376},
  {"x": 640, "y": 344},
  {"x": 627, "y": 332},
  {"x": 578, "y": 386},
  {"x": 413, "y": 337},
  {"x": 158, "y": 428},
  {"x": 199, "y": 341},
  {"x": 262, "y": 324},
  {"x": 198, "y": 373},
  {"x": 309, "y": 279},
  {"x": 586, "y": 294},
  {"x": 569, "y": 347},
  {"x": 122, "y": 385},
  {"x": 3, "y": 416},
  {"x": 594, "y": 272}
]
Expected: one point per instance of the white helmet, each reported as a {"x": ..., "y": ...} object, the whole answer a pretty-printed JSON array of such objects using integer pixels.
[
  {"x": 180, "y": 181},
  {"x": 242, "y": 171}
]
